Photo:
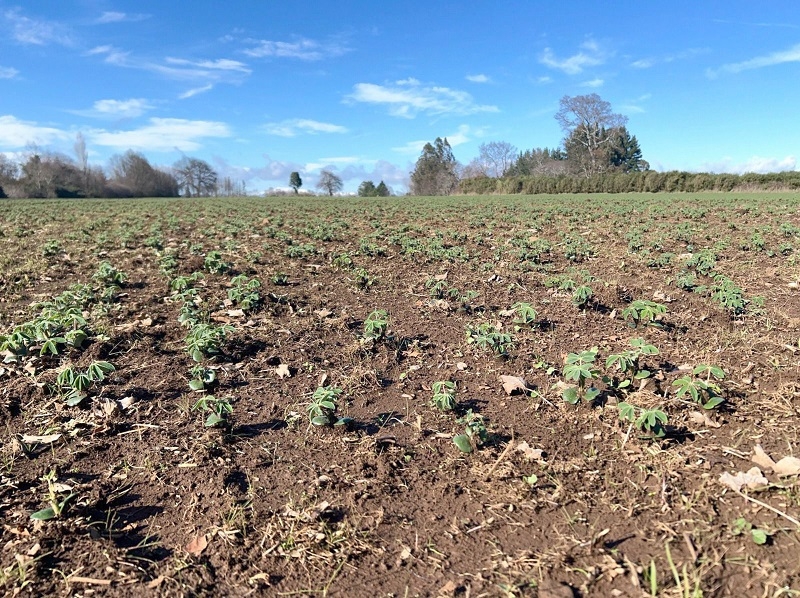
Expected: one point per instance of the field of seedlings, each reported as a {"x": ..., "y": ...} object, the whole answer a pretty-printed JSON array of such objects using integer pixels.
[{"x": 547, "y": 396}]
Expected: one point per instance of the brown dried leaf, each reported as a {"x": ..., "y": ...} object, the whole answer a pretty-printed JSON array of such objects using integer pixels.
[
  {"x": 283, "y": 371},
  {"x": 197, "y": 545},
  {"x": 48, "y": 439},
  {"x": 787, "y": 466},
  {"x": 512, "y": 383},
  {"x": 701, "y": 419},
  {"x": 530, "y": 453},
  {"x": 752, "y": 478}
]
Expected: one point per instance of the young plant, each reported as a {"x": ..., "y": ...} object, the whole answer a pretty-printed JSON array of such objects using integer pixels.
[
  {"x": 202, "y": 377},
  {"x": 524, "y": 314},
  {"x": 376, "y": 325},
  {"x": 109, "y": 275},
  {"x": 643, "y": 312},
  {"x": 649, "y": 421},
  {"x": 580, "y": 368},
  {"x": 322, "y": 408},
  {"x": 245, "y": 292},
  {"x": 627, "y": 362},
  {"x": 743, "y": 526},
  {"x": 487, "y": 336},
  {"x": 705, "y": 392},
  {"x": 444, "y": 395},
  {"x": 218, "y": 410},
  {"x": 582, "y": 295},
  {"x": 214, "y": 263},
  {"x": 73, "y": 383},
  {"x": 58, "y": 495},
  {"x": 475, "y": 432},
  {"x": 205, "y": 340},
  {"x": 280, "y": 279}
]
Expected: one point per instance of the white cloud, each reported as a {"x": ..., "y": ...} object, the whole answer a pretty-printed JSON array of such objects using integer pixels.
[
  {"x": 782, "y": 57},
  {"x": 590, "y": 55},
  {"x": 651, "y": 61},
  {"x": 195, "y": 91},
  {"x": 119, "y": 17},
  {"x": 409, "y": 97},
  {"x": 162, "y": 135},
  {"x": 297, "y": 126},
  {"x": 478, "y": 78},
  {"x": 303, "y": 49},
  {"x": 35, "y": 31},
  {"x": 7, "y": 72},
  {"x": 644, "y": 63},
  {"x": 544, "y": 80},
  {"x": 755, "y": 164},
  {"x": 118, "y": 108},
  {"x": 15, "y": 133},
  {"x": 461, "y": 136},
  {"x": 222, "y": 64},
  {"x": 596, "y": 82},
  {"x": 332, "y": 163}
]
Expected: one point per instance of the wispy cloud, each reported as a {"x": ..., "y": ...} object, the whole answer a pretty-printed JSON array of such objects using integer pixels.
[
  {"x": 463, "y": 134},
  {"x": 116, "y": 109},
  {"x": 332, "y": 163},
  {"x": 297, "y": 126},
  {"x": 15, "y": 133},
  {"x": 190, "y": 93},
  {"x": 775, "y": 58},
  {"x": 755, "y": 164},
  {"x": 651, "y": 61},
  {"x": 27, "y": 30},
  {"x": 590, "y": 54},
  {"x": 119, "y": 17},
  {"x": 179, "y": 69},
  {"x": 409, "y": 97},
  {"x": 635, "y": 105},
  {"x": 222, "y": 64},
  {"x": 162, "y": 135},
  {"x": 478, "y": 78},
  {"x": 7, "y": 72},
  {"x": 594, "y": 83},
  {"x": 302, "y": 49}
]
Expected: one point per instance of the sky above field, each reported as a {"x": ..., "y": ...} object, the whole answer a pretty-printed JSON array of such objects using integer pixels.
[{"x": 261, "y": 89}]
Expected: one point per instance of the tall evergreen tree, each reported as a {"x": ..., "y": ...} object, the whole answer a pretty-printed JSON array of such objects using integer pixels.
[{"x": 435, "y": 171}]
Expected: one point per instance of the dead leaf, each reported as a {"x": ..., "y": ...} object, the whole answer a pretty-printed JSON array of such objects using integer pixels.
[
  {"x": 283, "y": 371},
  {"x": 753, "y": 478},
  {"x": 448, "y": 589},
  {"x": 530, "y": 453},
  {"x": 235, "y": 313},
  {"x": 461, "y": 366},
  {"x": 701, "y": 419},
  {"x": 785, "y": 467},
  {"x": 505, "y": 313},
  {"x": 197, "y": 545},
  {"x": 48, "y": 439},
  {"x": 323, "y": 313},
  {"x": 155, "y": 583},
  {"x": 441, "y": 276},
  {"x": 512, "y": 383}
]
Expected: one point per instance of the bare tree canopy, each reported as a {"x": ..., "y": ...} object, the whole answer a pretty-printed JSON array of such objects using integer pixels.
[
  {"x": 195, "y": 177},
  {"x": 329, "y": 182},
  {"x": 588, "y": 124},
  {"x": 496, "y": 158}
]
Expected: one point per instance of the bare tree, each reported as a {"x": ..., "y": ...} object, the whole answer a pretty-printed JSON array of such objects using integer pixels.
[
  {"x": 329, "y": 182},
  {"x": 195, "y": 177},
  {"x": 496, "y": 157},
  {"x": 133, "y": 176},
  {"x": 588, "y": 124}
]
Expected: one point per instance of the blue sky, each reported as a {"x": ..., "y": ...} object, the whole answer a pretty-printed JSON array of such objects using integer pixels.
[{"x": 259, "y": 89}]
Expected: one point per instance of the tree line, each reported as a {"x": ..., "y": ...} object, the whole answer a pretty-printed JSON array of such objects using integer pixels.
[
  {"x": 598, "y": 155},
  {"x": 50, "y": 175}
]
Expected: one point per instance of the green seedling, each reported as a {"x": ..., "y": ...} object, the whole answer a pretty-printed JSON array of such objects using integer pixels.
[
  {"x": 487, "y": 336},
  {"x": 109, "y": 275},
  {"x": 582, "y": 295},
  {"x": 179, "y": 284},
  {"x": 280, "y": 279},
  {"x": 202, "y": 377},
  {"x": 205, "y": 340},
  {"x": 58, "y": 495},
  {"x": 649, "y": 421},
  {"x": 245, "y": 292},
  {"x": 742, "y": 526},
  {"x": 363, "y": 279},
  {"x": 475, "y": 432},
  {"x": 219, "y": 410},
  {"x": 524, "y": 314},
  {"x": 705, "y": 392},
  {"x": 643, "y": 312},
  {"x": 580, "y": 368},
  {"x": 627, "y": 362},
  {"x": 444, "y": 395},
  {"x": 322, "y": 408},
  {"x": 74, "y": 383},
  {"x": 376, "y": 325},
  {"x": 214, "y": 263}
]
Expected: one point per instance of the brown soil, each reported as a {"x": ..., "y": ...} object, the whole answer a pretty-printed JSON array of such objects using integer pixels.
[{"x": 387, "y": 505}]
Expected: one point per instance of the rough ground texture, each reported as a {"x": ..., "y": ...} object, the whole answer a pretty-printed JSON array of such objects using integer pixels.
[{"x": 554, "y": 499}]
